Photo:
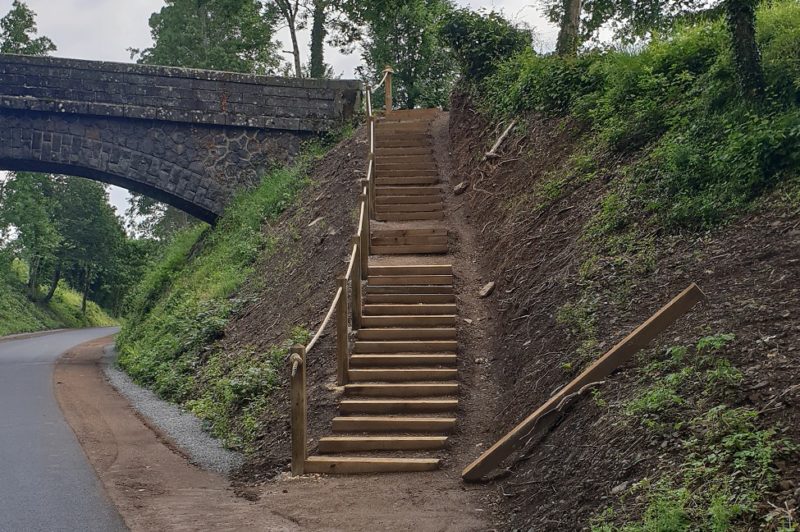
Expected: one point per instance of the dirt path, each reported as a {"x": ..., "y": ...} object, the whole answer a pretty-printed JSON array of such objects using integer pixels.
[{"x": 155, "y": 488}]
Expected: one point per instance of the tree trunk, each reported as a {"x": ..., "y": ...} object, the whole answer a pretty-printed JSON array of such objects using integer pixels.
[
  {"x": 54, "y": 284},
  {"x": 567, "y": 44},
  {"x": 298, "y": 69},
  {"x": 741, "y": 18},
  {"x": 86, "y": 271},
  {"x": 318, "y": 40},
  {"x": 33, "y": 278}
]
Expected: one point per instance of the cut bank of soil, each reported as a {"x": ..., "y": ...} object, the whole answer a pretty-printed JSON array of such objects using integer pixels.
[
  {"x": 750, "y": 270},
  {"x": 155, "y": 488}
]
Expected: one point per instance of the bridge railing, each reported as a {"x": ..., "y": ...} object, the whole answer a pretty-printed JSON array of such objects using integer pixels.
[{"x": 344, "y": 307}]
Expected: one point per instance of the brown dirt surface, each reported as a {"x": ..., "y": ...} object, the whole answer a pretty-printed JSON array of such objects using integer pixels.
[
  {"x": 749, "y": 269},
  {"x": 293, "y": 286},
  {"x": 155, "y": 488}
]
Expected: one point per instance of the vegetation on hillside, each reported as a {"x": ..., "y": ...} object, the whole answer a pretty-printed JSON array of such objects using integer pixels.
[
  {"x": 18, "y": 314},
  {"x": 182, "y": 305},
  {"x": 673, "y": 145}
]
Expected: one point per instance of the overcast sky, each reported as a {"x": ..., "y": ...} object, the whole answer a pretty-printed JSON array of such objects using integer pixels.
[{"x": 105, "y": 29}]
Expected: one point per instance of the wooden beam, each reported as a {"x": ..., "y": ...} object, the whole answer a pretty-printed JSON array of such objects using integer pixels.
[
  {"x": 342, "y": 344},
  {"x": 600, "y": 369},
  {"x": 299, "y": 409}
]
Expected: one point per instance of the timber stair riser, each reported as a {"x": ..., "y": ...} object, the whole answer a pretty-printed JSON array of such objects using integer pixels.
[
  {"x": 349, "y": 444},
  {"x": 419, "y": 320},
  {"x": 417, "y": 406},
  {"x": 407, "y": 334},
  {"x": 393, "y": 424},
  {"x": 374, "y": 360},
  {"x": 402, "y": 375},
  {"x": 405, "y": 346},
  {"x": 394, "y": 191},
  {"x": 388, "y": 201},
  {"x": 401, "y": 390}
]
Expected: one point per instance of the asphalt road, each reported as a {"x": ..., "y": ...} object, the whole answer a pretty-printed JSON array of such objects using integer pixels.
[{"x": 46, "y": 482}]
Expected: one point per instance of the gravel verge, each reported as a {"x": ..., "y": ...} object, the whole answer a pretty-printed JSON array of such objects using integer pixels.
[{"x": 182, "y": 427}]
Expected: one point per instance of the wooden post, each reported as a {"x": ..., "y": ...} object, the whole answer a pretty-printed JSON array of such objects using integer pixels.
[
  {"x": 365, "y": 234},
  {"x": 599, "y": 370},
  {"x": 356, "y": 282},
  {"x": 387, "y": 102},
  {"x": 298, "y": 395},
  {"x": 342, "y": 343}
]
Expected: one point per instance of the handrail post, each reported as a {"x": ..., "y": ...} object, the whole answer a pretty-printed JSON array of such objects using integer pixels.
[
  {"x": 365, "y": 243},
  {"x": 388, "y": 91},
  {"x": 356, "y": 282},
  {"x": 342, "y": 343},
  {"x": 299, "y": 409}
]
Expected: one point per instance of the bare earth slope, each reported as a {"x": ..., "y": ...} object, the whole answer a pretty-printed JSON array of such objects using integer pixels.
[{"x": 750, "y": 271}]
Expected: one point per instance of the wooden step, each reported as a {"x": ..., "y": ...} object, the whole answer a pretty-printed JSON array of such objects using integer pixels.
[
  {"x": 410, "y": 298},
  {"x": 409, "y": 289},
  {"x": 411, "y": 269},
  {"x": 419, "y": 320},
  {"x": 413, "y": 179},
  {"x": 397, "y": 406},
  {"x": 394, "y": 280},
  {"x": 403, "y": 143},
  {"x": 409, "y": 240},
  {"x": 405, "y": 346},
  {"x": 421, "y": 249},
  {"x": 388, "y": 309},
  {"x": 415, "y": 165},
  {"x": 402, "y": 374},
  {"x": 389, "y": 152},
  {"x": 349, "y": 444},
  {"x": 419, "y": 231},
  {"x": 399, "y": 360},
  {"x": 384, "y": 201},
  {"x": 402, "y": 389},
  {"x": 393, "y": 424},
  {"x": 410, "y": 216},
  {"x": 383, "y": 175},
  {"x": 440, "y": 333},
  {"x": 405, "y": 158},
  {"x": 409, "y": 190},
  {"x": 413, "y": 207},
  {"x": 355, "y": 465}
]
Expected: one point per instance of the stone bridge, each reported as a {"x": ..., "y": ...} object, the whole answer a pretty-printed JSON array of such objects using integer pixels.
[{"x": 189, "y": 138}]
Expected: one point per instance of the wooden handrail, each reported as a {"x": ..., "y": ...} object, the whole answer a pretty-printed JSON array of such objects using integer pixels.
[
  {"x": 356, "y": 272},
  {"x": 597, "y": 371}
]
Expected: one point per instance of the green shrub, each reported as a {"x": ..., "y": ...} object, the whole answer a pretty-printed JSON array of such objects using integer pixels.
[
  {"x": 184, "y": 302},
  {"x": 480, "y": 41}
]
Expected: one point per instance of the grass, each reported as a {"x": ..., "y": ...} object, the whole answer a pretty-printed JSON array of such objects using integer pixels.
[
  {"x": 183, "y": 304},
  {"x": 728, "y": 459},
  {"x": 19, "y": 315}
]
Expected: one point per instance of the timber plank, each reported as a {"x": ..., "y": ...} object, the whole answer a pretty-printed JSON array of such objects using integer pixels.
[
  {"x": 600, "y": 369},
  {"x": 359, "y": 465}
]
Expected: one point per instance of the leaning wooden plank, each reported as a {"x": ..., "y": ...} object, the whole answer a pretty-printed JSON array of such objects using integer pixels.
[{"x": 600, "y": 369}]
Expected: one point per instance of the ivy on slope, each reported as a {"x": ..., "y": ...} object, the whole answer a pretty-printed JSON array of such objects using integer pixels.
[{"x": 185, "y": 301}]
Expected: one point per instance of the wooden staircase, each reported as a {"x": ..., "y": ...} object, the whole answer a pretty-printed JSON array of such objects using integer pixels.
[{"x": 400, "y": 400}]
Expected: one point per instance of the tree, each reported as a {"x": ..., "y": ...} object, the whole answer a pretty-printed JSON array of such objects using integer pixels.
[
  {"x": 568, "y": 37},
  {"x": 290, "y": 11},
  {"x": 741, "y": 18},
  {"x": 18, "y": 30},
  {"x": 231, "y": 35},
  {"x": 28, "y": 206},
  {"x": 92, "y": 235},
  {"x": 403, "y": 34},
  {"x": 319, "y": 14}
]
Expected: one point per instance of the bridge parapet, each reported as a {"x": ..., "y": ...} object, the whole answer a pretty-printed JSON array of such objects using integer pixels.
[{"x": 53, "y": 84}]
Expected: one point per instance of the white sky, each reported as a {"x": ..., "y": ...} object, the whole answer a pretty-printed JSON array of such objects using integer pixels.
[{"x": 105, "y": 29}]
